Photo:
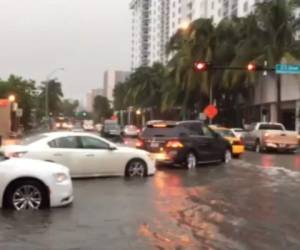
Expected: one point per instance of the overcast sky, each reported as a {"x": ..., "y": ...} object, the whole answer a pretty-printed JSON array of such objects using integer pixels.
[{"x": 85, "y": 37}]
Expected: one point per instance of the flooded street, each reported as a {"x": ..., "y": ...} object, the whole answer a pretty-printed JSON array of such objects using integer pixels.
[{"x": 252, "y": 203}]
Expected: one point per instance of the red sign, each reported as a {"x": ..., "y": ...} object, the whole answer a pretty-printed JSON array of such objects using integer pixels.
[
  {"x": 114, "y": 118},
  {"x": 4, "y": 103},
  {"x": 211, "y": 111}
]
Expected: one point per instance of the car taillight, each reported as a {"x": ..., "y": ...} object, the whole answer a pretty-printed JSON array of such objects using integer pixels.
[
  {"x": 139, "y": 144},
  {"x": 238, "y": 143},
  {"x": 174, "y": 144}
]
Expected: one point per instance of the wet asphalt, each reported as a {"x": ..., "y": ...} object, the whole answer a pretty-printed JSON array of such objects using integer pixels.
[{"x": 251, "y": 203}]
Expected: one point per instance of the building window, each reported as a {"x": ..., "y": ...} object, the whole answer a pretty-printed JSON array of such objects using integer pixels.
[{"x": 212, "y": 5}]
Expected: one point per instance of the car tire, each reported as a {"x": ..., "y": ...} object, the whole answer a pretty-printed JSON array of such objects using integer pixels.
[
  {"x": 136, "y": 168},
  {"x": 236, "y": 156},
  {"x": 227, "y": 157},
  {"x": 26, "y": 195},
  {"x": 191, "y": 160}
]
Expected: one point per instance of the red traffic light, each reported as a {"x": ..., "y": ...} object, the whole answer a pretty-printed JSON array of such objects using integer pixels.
[
  {"x": 201, "y": 66},
  {"x": 251, "y": 67}
]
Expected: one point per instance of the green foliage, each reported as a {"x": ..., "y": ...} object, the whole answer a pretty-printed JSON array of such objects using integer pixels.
[
  {"x": 142, "y": 89},
  {"x": 69, "y": 107},
  {"x": 25, "y": 93},
  {"x": 102, "y": 108},
  {"x": 55, "y": 95}
]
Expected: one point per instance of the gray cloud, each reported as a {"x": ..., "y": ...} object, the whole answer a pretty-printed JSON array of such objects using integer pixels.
[{"x": 85, "y": 37}]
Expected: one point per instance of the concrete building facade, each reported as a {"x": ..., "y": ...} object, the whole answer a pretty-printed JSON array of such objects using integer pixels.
[
  {"x": 111, "y": 79},
  {"x": 140, "y": 32},
  {"x": 90, "y": 96}
]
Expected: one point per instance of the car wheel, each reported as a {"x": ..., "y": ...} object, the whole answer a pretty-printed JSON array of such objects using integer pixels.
[
  {"x": 227, "y": 156},
  {"x": 191, "y": 160},
  {"x": 136, "y": 168},
  {"x": 27, "y": 195},
  {"x": 236, "y": 156}
]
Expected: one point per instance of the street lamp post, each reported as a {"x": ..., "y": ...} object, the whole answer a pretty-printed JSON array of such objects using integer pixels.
[
  {"x": 48, "y": 78},
  {"x": 12, "y": 99}
]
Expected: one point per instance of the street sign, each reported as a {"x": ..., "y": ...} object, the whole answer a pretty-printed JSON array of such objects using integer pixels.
[
  {"x": 287, "y": 69},
  {"x": 211, "y": 111},
  {"x": 114, "y": 118}
]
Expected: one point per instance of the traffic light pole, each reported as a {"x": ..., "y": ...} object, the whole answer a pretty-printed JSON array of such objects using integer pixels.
[
  {"x": 278, "y": 86},
  {"x": 204, "y": 66}
]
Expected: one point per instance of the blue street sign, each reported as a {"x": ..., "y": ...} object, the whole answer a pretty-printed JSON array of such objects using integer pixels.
[{"x": 287, "y": 69}]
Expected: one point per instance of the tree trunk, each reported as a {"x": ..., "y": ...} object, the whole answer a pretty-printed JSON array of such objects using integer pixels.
[{"x": 278, "y": 87}]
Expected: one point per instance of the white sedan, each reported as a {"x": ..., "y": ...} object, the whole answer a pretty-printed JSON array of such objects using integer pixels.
[
  {"x": 30, "y": 184},
  {"x": 85, "y": 154}
]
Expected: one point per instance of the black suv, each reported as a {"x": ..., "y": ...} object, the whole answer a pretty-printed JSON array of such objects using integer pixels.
[{"x": 186, "y": 142}]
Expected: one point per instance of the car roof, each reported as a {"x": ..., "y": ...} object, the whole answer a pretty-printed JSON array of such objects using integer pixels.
[{"x": 68, "y": 133}]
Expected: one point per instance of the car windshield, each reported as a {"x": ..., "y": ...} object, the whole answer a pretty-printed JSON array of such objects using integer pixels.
[
  {"x": 160, "y": 132},
  {"x": 225, "y": 133},
  {"x": 270, "y": 127},
  {"x": 32, "y": 139}
]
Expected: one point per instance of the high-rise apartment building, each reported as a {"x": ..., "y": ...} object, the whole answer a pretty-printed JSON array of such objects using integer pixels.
[
  {"x": 154, "y": 22},
  {"x": 140, "y": 32}
]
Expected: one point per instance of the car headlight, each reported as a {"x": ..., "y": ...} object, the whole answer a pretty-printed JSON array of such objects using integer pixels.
[{"x": 61, "y": 177}]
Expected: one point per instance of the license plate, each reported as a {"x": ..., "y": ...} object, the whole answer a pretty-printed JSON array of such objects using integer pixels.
[
  {"x": 282, "y": 145},
  {"x": 154, "y": 145}
]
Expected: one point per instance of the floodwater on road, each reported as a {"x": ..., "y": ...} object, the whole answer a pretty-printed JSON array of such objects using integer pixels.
[{"x": 252, "y": 203}]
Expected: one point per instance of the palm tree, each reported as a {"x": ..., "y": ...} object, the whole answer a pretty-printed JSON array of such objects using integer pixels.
[
  {"x": 144, "y": 86},
  {"x": 185, "y": 87},
  {"x": 201, "y": 42},
  {"x": 268, "y": 35},
  {"x": 55, "y": 95}
]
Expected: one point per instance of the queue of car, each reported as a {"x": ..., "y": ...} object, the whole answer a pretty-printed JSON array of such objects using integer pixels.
[{"x": 37, "y": 173}]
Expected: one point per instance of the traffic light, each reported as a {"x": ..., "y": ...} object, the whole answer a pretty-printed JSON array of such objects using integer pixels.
[
  {"x": 201, "y": 66},
  {"x": 251, "y": 67}
]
